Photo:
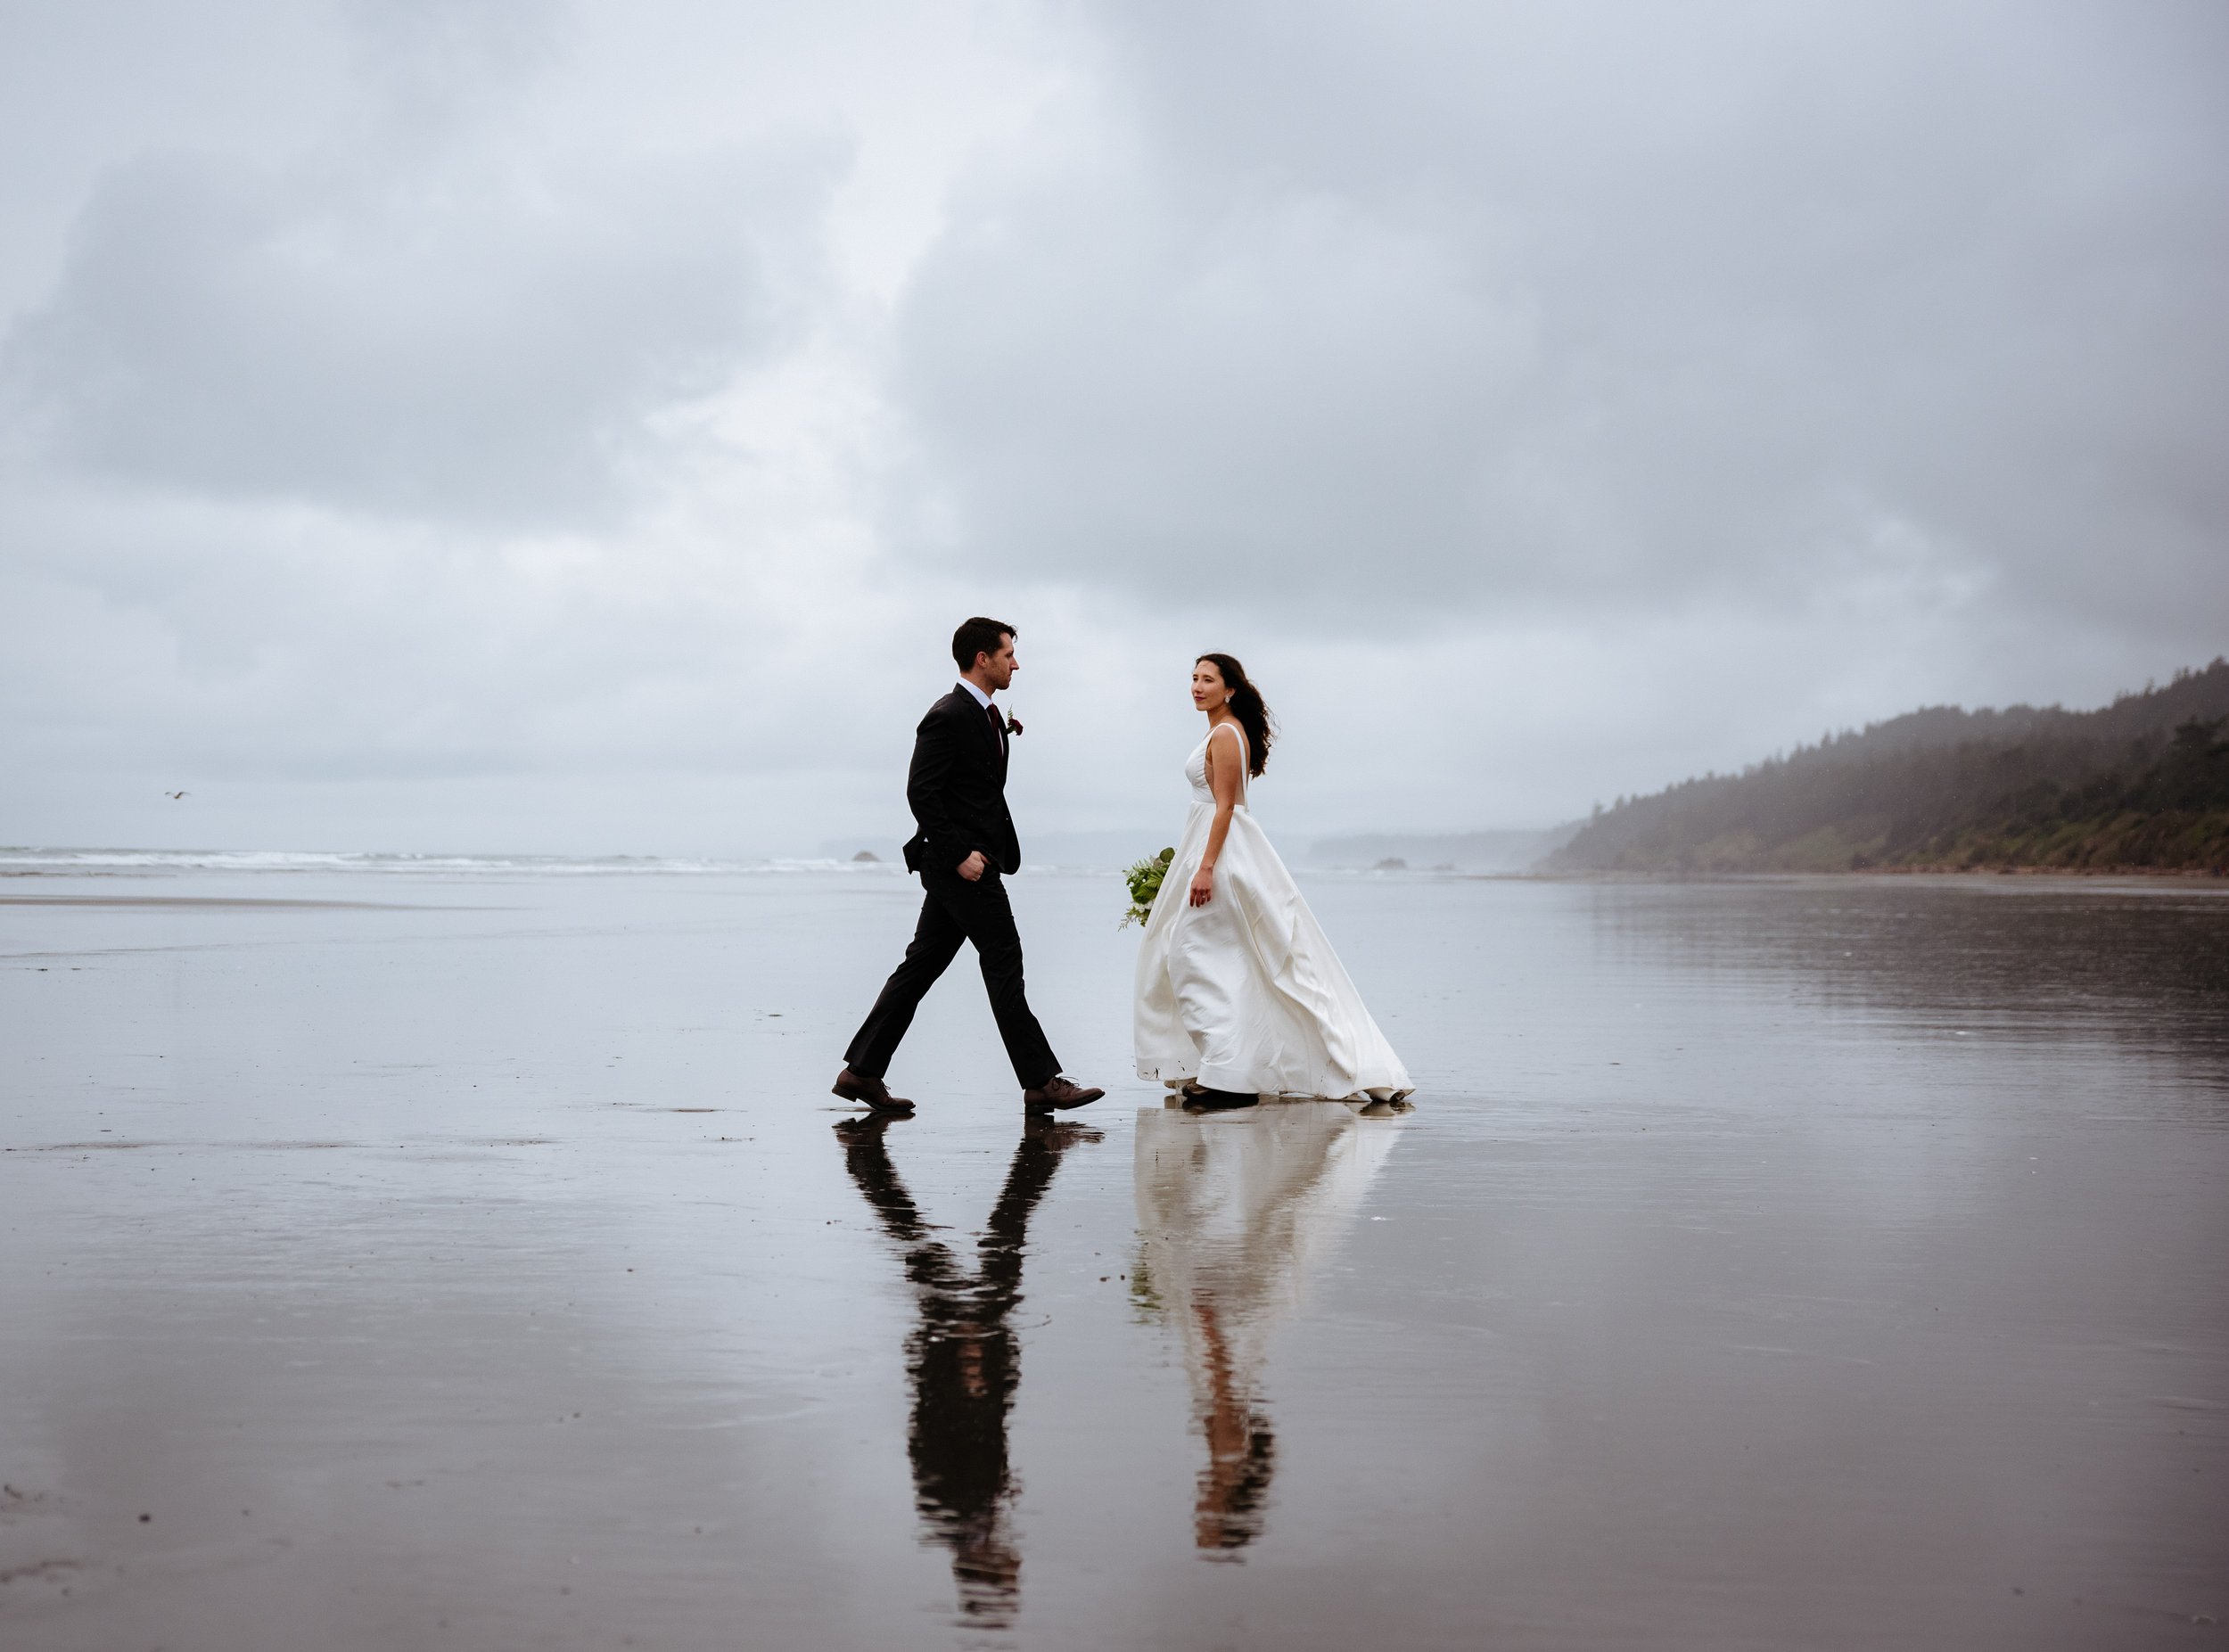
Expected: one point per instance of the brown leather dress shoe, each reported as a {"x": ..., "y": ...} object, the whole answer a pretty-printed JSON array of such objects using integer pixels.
[
  {"x": 858, "y": 1086},
  {"x": 1058, "y": 1092}
]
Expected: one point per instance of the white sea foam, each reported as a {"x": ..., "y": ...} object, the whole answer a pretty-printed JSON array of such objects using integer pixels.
[{"x": 31, "y": 862}]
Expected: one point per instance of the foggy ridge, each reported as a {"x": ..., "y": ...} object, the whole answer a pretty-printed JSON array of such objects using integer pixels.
[{"x": 2140, "y": 785}]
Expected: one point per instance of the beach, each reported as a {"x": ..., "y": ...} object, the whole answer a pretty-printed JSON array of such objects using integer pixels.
[{"x": 464, "y": 1254}]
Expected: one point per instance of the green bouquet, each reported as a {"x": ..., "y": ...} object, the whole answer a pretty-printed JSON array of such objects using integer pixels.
[{"x": 1145, "y": 882}]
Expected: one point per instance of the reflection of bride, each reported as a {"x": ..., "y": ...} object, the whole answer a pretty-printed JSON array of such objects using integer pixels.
[{"x": 1234, "y": 1210}]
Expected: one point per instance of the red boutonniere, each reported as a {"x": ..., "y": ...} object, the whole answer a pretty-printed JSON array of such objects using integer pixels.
[{"x": 1012, "y": 726}]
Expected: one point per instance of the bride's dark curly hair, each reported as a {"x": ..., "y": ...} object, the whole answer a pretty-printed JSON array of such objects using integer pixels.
[{"x": 1246, "y": 706}]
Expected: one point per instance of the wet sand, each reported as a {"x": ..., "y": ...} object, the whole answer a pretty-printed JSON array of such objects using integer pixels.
[{"x": 475, "y": 1263}]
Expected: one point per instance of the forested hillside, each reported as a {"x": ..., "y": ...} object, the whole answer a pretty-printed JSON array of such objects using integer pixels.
[{"x": 2141, "y": 784}]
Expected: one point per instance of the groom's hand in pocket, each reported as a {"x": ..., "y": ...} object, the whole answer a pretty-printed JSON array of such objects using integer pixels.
[{"x": 972, "y": 867}]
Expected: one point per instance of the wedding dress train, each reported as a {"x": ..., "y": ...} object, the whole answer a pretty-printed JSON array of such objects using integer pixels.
[{"x": 1246, "y": 993}]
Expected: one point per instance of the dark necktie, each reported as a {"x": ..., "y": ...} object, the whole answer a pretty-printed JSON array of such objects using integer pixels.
[{"x": 998, "y": 727}]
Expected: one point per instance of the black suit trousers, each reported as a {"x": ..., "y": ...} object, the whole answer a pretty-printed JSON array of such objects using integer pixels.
[{"x": 953, "y": 911}]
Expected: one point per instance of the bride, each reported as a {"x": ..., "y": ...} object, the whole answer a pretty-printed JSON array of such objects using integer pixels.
[{"x": 1239, "y": 994}]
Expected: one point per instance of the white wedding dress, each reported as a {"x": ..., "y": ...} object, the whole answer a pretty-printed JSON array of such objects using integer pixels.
[{"x": 1246, "y": 993}]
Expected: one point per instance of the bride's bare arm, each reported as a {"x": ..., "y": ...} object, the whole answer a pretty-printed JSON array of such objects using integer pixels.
[{"x": 1223, "y": 778}]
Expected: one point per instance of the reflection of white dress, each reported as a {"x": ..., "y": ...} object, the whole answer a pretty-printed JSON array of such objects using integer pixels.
[
  {"x": 1246, "y": 993},
  {"x": 1236, "y": 1212}
]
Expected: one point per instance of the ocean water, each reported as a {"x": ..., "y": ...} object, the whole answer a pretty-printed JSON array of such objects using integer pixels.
[
  {"x": 144, "y": 863},
  {"x": 468, "y": 1252}
]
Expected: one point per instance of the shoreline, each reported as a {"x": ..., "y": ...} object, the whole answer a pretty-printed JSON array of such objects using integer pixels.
[
  {"x": 1667, "y": 874},
  {"x": 2000, "y": 870}
]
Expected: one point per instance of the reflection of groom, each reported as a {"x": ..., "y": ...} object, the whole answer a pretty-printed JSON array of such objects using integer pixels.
[
  {"x": 964, "y": 1359},
  {"x": 963, "y": 848}
]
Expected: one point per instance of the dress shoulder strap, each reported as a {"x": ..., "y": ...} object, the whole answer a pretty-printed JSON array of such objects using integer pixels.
[{"x": 1244, "y": 750}]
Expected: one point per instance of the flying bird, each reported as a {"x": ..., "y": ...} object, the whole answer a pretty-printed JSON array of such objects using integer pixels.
[{"x": 174, "y": 796}]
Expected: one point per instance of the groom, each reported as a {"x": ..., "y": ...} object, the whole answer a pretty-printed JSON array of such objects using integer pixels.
[{"x": 963, "y": 844}]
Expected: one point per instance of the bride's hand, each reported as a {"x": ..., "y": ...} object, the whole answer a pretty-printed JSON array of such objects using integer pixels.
[{"x": 1202, "y": 886}]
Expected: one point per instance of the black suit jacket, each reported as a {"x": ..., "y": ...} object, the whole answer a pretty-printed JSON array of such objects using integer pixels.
[{"x": 957, "y": 789}]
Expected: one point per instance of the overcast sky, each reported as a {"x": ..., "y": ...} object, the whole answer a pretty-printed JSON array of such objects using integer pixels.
[{"x": 524, "y": 424}]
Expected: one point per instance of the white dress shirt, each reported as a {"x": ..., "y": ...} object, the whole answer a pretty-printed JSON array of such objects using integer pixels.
[{"x": 984, "y": 699}]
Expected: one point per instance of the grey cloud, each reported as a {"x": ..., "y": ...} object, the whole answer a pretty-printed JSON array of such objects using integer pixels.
[
  {"x": 1111, "y": 387},
  {"x": 438, "y": 59},
  {"x": 466, "y": 336},
  {"x": 1671, "y": 383},
  {"x": 1431, "y": 307}
]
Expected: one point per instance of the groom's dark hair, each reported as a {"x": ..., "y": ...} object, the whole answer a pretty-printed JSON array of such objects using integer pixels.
[{"x": 978, "y": 635}]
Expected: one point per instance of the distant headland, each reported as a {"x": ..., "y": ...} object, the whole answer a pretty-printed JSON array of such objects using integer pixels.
[{"x": 2139, "y": 785}]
